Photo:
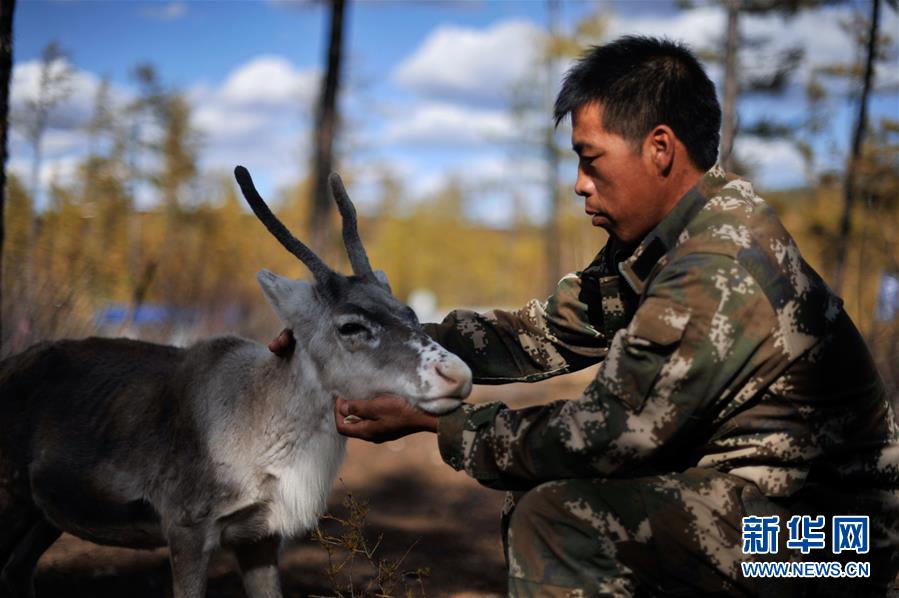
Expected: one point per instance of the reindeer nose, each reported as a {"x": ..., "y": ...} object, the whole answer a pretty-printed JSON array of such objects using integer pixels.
[
  {"x": 457, "y": 375},
  {"x": 446, "y": 375}
]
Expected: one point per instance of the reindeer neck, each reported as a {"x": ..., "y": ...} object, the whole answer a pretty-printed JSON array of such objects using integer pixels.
[
  {"x": 281, "y": 408},
  {"x": 293, "y": 385}
]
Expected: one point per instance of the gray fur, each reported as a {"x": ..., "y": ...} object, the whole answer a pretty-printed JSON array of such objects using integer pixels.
[{"x": 221, "y": 444}]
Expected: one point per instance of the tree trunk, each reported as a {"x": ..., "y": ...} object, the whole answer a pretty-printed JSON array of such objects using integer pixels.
[
  {"x": 731, "y": 86},
  {"x": 7, "y": 7},
  {"x": 552, "y": 234},
  {"x": 325, "y": 130},
  {"x": 858, "y": 139}
]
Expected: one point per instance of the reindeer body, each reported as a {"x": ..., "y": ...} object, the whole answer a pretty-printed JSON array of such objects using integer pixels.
[
  {"x": 126, "y": 443},
  {"x": 134, "y": 444},
  {"x": 125, "y": 435}
]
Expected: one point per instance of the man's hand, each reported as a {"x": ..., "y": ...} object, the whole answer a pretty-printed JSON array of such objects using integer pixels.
[
  {"x": 283, "y": 345},
  {"x": 383, "y": 418}
]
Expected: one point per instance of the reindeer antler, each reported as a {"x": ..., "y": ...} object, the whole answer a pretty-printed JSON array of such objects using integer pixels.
[
  {"x": 319, "y": 269},
  {"x": 354, "y": 248}
]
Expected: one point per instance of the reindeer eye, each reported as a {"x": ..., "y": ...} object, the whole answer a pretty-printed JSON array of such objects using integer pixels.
[{"x": 353, "y": 328}]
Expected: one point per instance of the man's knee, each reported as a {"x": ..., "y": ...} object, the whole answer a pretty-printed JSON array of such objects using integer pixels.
[
  {"x": 566, "y": 534},
  {"x": 671, "y": 533},
  {"x": 538, "y": 513}
]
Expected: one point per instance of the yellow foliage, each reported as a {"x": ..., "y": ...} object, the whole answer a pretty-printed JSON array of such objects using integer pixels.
[{"x": 87, "y": 250}]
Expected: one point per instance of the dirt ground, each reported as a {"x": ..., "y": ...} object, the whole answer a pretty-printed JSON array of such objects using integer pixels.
[{"x": 419, "y": 507}]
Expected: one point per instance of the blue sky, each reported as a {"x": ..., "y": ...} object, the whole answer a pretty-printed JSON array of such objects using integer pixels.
[{"x": 428, "y": 86}]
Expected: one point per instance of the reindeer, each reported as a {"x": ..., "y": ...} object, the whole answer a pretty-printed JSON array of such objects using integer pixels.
[{"x": 134, "y": 444}]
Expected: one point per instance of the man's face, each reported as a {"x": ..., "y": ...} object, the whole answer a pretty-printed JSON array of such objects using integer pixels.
[{"x": 620, "y": 186}]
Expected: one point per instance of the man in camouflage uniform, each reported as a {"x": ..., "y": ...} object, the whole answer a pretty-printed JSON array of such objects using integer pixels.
[{"x": 732, "y": 383}]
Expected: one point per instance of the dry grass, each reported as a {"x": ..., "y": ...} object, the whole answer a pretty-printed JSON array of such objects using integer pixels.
[{"x": 351, "y": 548}]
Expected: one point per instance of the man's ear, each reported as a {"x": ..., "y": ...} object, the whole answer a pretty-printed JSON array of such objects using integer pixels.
[
  {"x": 661, "y": 145},
  {"x": 290, "y": 298}
]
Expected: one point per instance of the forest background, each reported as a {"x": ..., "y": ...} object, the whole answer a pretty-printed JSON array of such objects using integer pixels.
[{"x": 121, "y": 216}]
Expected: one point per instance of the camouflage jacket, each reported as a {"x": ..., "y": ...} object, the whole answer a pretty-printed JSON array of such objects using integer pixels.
[{"x": 721, "y": 347}]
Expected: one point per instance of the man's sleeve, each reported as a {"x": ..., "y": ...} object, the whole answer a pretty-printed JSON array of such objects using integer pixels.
[
  {"x": 543, "y": 339},
  {"x": 703, "y": 328}
]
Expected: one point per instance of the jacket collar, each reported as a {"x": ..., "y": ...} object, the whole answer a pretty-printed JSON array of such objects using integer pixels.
[{"x": 653, "y": 248}]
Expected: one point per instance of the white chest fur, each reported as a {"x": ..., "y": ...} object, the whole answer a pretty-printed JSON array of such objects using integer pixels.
[
  {"x": 275, "y": 449},
  {"x": 301, "y": 484}
]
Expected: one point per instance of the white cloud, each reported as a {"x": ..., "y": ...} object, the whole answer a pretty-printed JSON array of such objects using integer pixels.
[
  {"x": 55, "y": 143},
  {"x": 821, "y": 35},
  {"x": 496, "y": 184},
  {"x": 269, "y": 81},
  {"x": 61, "y": 170},
  {"x": 441, "y": 123},
  {"x": 471, "y": 64},
  {"x": 171, "y": 11},
  {"x": 503, "y": 184},
  {"x": 257, "y": 117},
  {"x": 61, "y": 142},
  {"x": 819, "y": 32},
  {"x": 64, "y": 140},
  {"x": 698, "y": 27},
  {"x": 778, "y": 163},
  {"x": 78, "y": 94},
  {"x": 218, "y": 121},
  {"x": 258, "y": 103},
  {"x": 508, "y": 172}
]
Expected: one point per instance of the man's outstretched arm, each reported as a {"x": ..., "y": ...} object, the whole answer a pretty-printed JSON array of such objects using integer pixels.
[
  {"x": 567, "y": 332},
  {"x": 661, "y": 380}
]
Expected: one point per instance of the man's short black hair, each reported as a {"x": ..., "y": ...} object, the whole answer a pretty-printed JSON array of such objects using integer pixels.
[{"x": 643, "y": 82}]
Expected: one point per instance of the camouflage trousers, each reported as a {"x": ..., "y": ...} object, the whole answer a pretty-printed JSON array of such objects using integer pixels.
[{"x": 670, "y": 535}]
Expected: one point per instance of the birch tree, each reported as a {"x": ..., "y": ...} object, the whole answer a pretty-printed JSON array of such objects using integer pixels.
[
  {"x": 7, "y": 8},
  {"x": 326, "y": 121}
]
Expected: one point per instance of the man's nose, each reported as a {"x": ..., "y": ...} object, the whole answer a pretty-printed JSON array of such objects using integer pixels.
[{"x": 583, "y": 186}]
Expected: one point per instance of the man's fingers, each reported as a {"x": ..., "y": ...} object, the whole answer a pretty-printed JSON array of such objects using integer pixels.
[
  {"x": 360, "y": 428},
  {"x": 360, "y": 409},
  {"x": 283, "y": 345},
  {"x": 352, "y": 410},
  {"x": 346, "y": 412},
  {"x": 383, "y": 418},
  {"x": 340, "y": 408}
]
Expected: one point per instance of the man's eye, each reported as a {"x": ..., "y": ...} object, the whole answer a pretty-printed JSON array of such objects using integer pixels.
[{"x": 352, "y": 328}]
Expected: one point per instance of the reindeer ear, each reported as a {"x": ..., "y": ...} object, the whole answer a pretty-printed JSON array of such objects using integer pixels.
[
  {"x": 382, "y": 278},
  {"x": 290, "y": 298}
]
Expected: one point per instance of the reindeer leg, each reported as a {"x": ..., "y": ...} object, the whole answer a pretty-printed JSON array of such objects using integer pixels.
[
  {"x": 189, "y": 554},
  {"x": 18, "y": 573},
  {"x": 15, "y": 521},
  {"x": 259, "y": 567},
  {"x": 17, "y": 510}
]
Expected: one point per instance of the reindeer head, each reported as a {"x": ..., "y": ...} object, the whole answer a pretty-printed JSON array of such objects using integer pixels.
[{"x": 362, "y": 340}]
